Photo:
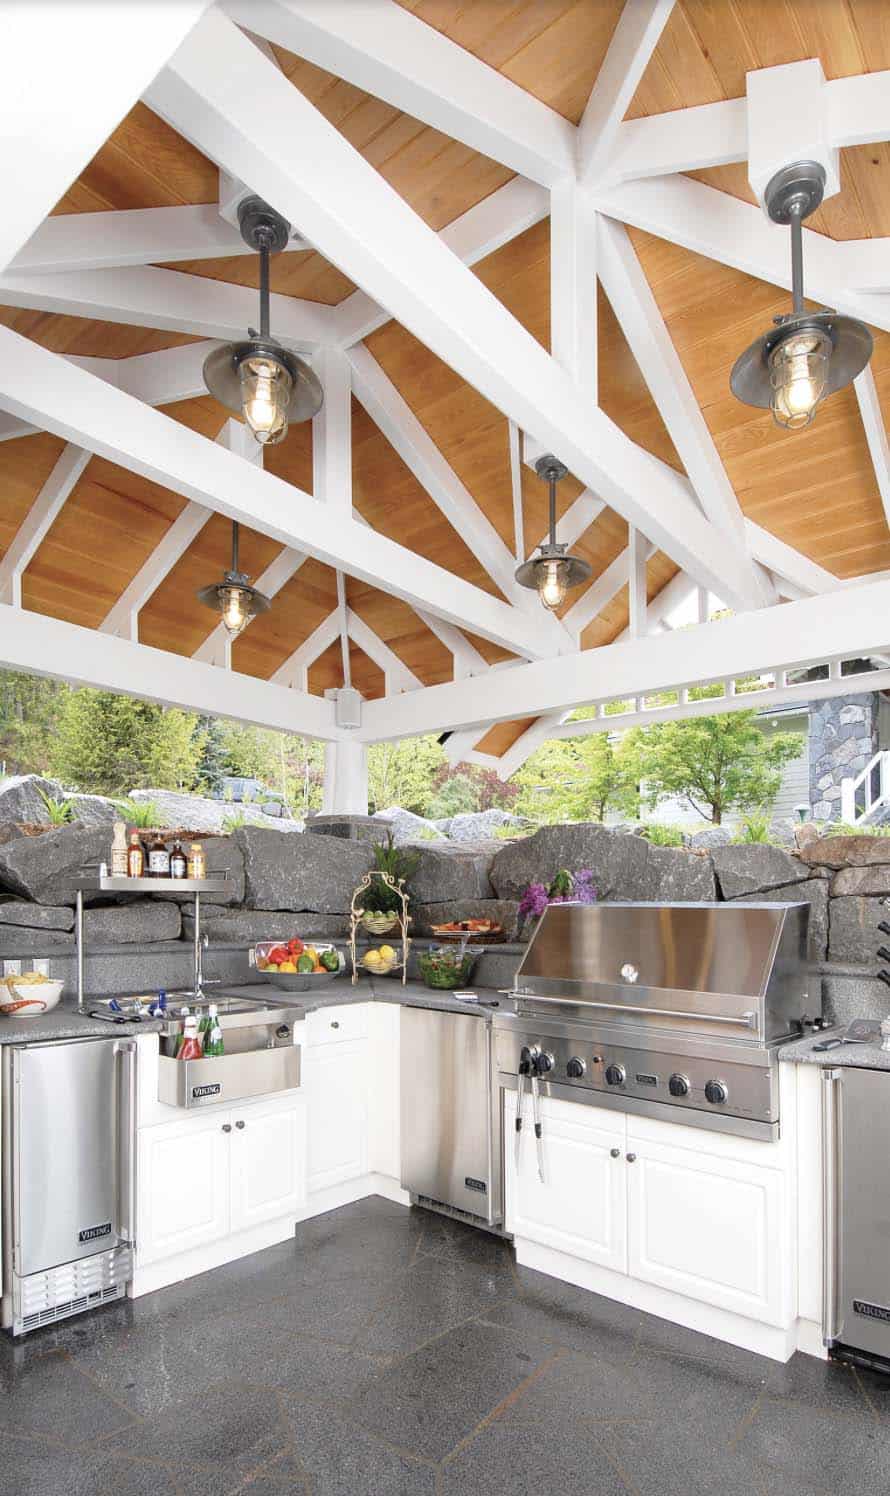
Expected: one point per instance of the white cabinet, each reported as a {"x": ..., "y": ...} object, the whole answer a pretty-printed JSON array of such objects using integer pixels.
[
  {"x": 268, "y": 1171},
  {"x": 580, "y": 1207},
  {"x": 205, "y": 1177},
  {"x": 335, "y": 1081},
  {"x": 183, "y": 1186}
]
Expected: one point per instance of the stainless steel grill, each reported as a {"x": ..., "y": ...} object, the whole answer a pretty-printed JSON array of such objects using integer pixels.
[{"x": 661, "y": 1009}]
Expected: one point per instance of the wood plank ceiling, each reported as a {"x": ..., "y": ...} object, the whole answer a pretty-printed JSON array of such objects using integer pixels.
[{"x": 815, "y": 490}]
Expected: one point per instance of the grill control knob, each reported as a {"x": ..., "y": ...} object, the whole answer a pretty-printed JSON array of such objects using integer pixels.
[
  {"x": 544, "y": 1062},
  {"x": 576, "y": 1068},
  {"x": 616, "y": 1075},
  {"x": 716, "y": 1092},
  {"x": 678, "y": 1085}
]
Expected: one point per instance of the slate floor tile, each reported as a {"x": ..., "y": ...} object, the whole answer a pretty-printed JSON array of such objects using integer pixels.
[
  {"x": 506, "y": 1460},
  {"x": 665, "y": 1456},
  {"x": 342, "y": 1460},
  {"x": 834, "y": 1452},
  {"x": 232, "y": 1426},
  {"x": 831, "y": 1385},
  {"x": 546, "y": 1311},
  {"x": 574, "y": 1388},
  {"x": 432, "y": 1399},
  {"x": 31, "y": 1469},
  {"x": 45, "y": 1396},
  {"x": 434, "y": 1295}
]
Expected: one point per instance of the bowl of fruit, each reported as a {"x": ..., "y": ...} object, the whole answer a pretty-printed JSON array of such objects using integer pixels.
[
  {"x": 296, "y": 965},
  {"x": 381, "y": 961},
  {"x": 28, "y": 995}
]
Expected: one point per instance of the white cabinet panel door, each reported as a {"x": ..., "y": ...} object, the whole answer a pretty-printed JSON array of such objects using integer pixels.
[
  {"x": 335, "y": 1082},
  {"x": 581, "y": 1207},
  {"x": 712, "y": 1228},
  {"x": 183, "y": 1186},
  {"x": 268, "y": 1162}
]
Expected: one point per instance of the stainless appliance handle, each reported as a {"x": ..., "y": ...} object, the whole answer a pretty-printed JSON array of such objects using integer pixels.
[
  {"x": 830, "y": 1096},
  {"x": 125, "y": 1054},
  {"x": 748, "y": 1019}
]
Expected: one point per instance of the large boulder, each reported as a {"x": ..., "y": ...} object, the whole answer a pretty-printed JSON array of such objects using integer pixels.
[
  {"x": 677, "y": 876},
  {"x": 224, "y": 855},
  {"x": 36, "y": 916},
  {"x": 27, "y": 940},
  {"x": 813, "y": 891},
  {"x": 48, "y": 868},
  {"x": 348, "y": 827},
  {"x": 198, "y": 813},
  {"x": 501, "y": 911},
  {"x": 94, "y": 810},
  {"x": 139, "y": 923},
  {"x": 476, "y": 825},
  {"x": 406, "y": 826},
  {"x": 853, "y": 934},
  {"x": 21, "y": 800},
  {"x": 710, "y": 837},
  {"x": 619, "y": 863},
  {"x": 247, "y": 926},
  {"x": 755, "y": 867},
  {"x": 451, "y": 870},
  {"x": 846, "y": 851},
  {"x": 317, "y": 873},
  {"x": 852, "y": 881}
]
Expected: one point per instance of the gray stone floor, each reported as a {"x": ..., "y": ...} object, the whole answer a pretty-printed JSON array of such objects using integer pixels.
[{"x": 387, "y": 1352}]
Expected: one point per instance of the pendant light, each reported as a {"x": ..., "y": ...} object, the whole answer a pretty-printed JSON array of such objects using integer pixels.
[
  {"x": 807, "y": 355},
  {"x": 553, "y": 572},
  {"x": 259, "y": 378},
  {"x": 234, "y": 597}
]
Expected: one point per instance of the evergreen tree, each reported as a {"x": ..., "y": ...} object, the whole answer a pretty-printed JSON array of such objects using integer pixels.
[
  {"x": 110, "y": 744},
  {"x": 213, "y": 763},
  {"x": 29, "y": 707}
]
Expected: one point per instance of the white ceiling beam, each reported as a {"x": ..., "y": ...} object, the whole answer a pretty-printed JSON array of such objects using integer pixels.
[
  {"x": 841, "y": 625},
  {"x": 466, "y": 657},
  {"x": 790, "y": 564},
  {"x": 39, "y": 386},
  {"x": 294, "y": 670},
  {"x": 161, "y": 378},
  {"x": 862, "y": 264},
  {"x": 637, "y": 602},
  {"x": 398, "y": 675},
  {"x": 332, "y": 432},
  {"x": 533, "y": 737},
  {"x": 672, "y": 596},
  {"x": 39, "y": 520},
  {"x": 11, "y": 429},
  {"x": 514, "y": 446},
  {"x": 228, "y": 100},
  {"x": 129, "y": 236},
  {"x": 484, "y": 228},
  {"x": 386, "y": 51},
  {"x": 634, "y": 40},
  {"x": 143, "y": 296},
  {"x": 875, "y": 433},
  {"x": 52, "y": 646},
  {"x": 68, "y": 75},
  {"x": 573, "y": 274},
  {"x": 600, "y": 592}
]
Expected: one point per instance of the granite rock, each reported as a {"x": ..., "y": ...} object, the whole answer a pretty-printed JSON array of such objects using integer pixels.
[
  {"x": 223, "y": 855},
  {"x": 812, "y": 891},
  {"x": 317, "y": 873},
  {"x": 853, "y": 934},
  {"x": 206, "y": 816},
  {"x": 849, "y": 881},
  {"x": 503, "y": 911},
  {"x": 141, "y": 922},
  {"x": 406, "y": 826},
  {"x": 94, "y": 810},
  {"x": 452, "y": 870},
  {"x": 678, "y": 876},
  {"x": 246, "y": 926},
  {"x": 754, "y": 867},
  {"x": 712, "y": 836},
  {"x": 619, "y": 863},
  {"x": 348, "y": 827},
  {"x": 478, "y": 825},
  {"x": 805, "y": 832},
  {"x": 846, "y": 851},
  {"x": 28, "y": 940},
  {"x": 20, "y": 798},
  {"x": 48, "y": 868},
  {"x": 36, "y": 916}
]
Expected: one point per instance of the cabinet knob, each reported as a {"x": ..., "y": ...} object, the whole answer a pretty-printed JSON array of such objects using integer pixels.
[
  {"x": 227, "y": 1127},
  {"x": 631, "y": 1158},
  {"x": 615, "y": 1152},
  {"x": 240, "y": 1126},
  {"x": 334, "y": 1023}
]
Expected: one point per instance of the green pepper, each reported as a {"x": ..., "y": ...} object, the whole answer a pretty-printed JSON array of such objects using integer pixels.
[{"x": 330, "y": 960}]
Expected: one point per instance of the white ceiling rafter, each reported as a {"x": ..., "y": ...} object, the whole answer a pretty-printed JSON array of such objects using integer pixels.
[
  {"x": 398, "y": 676},
  {"x": 360, "y": 223},
  {"x": 875, "y": 433},
  {"x": 39, "y": 520},
  {"x": 386, "y": 51},
  {"x": 54, "y": 116},
  {"x": 294, "y": 670},
  {"x": 217, "y": 647},
  {"x": 634, "y": 40}
]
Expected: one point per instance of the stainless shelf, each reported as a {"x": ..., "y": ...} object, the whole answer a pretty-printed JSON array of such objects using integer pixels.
[{"x": 109, "y": 884}]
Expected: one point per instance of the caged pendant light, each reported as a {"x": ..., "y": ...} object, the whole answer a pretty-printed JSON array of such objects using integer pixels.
[
  {"x": 233, "y": 597},
  {"x": 259, "y": 378},
  {"x": 553, "y": 572},
  {"x": 806, "y": 356}
]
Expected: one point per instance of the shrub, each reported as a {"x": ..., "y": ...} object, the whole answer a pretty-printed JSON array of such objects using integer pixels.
[
  {"x": 663, "y": 836},
  {"x": 60, "y": 812},
  {"x": 139, "y": 813}
]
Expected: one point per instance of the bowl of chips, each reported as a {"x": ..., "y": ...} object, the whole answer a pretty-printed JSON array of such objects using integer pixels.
[{"x": 29, "y": 994}]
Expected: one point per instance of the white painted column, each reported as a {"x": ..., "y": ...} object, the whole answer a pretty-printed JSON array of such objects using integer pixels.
[{"x": 345, "y": 779}]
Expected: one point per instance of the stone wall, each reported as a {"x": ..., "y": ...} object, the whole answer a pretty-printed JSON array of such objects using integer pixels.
[{"x": 843, "y": 739}]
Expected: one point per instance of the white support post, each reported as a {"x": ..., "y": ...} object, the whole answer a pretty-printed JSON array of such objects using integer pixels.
[
  {"x": 638, "y": 550},
  {"x": 601, "y": 591},
  {"x": 39, "y": 520},
  {"x": 513, "y": 440},
  {"x": 634, "y": 40},
  {"x": 345, "y": 789},
  {"x": 343, "y": 630},
  {"x": 573, "y": 271}
]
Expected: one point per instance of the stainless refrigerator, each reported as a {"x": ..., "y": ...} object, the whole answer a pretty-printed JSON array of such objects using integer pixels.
[
  {"x": 69, "y": 1129},
  {"x": 856, "y": 1175}
]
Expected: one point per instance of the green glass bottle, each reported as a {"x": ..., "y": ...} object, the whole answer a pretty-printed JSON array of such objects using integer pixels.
[{"x": 213, "y": 1039}]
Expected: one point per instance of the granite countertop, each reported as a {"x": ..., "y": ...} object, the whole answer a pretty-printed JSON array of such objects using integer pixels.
[
  {"x": 64, "y": 1022},
  {"x": 865, "y": 1056},
  {"x": 370, "y": 989}
]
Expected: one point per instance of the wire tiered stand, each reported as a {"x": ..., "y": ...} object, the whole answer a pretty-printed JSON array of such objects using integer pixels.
[{"x": 400, "y": 920}]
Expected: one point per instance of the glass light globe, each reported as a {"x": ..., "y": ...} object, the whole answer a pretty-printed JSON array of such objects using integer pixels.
[
  {"x": 552, "y": 583},
  {"x": 266, "y": 388},
  {"x": 236, "y": 609},
  {"x": 798, "y": 371}
]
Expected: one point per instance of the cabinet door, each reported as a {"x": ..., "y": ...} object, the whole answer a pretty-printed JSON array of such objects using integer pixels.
[
  {"x": 183, "y": 1186},
  {"x": 581, "y": 1206},
  {"x": 268, "y": 1146},
  {"x": 336, "y": 1087},
  {"x": 710, "y": 1227}
]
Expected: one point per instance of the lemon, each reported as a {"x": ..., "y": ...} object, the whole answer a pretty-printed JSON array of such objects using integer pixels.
[
  {"x": 387, "y": 952},
  {"x": 374, "y": 960}
]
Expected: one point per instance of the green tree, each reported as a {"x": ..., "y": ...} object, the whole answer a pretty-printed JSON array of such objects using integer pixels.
[
  {"x": 578, "y": 779},
  {"x": 402, "y": 773},
  {"x": 717, "y": 764},
  {"x": 110, "y": 744},
  {"x": 29, "y": 707},
  {"x": 212, "y": 765}
]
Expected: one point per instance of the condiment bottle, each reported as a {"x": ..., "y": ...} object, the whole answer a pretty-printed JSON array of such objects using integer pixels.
[
  {"x": 190, "y": 1048},
  {"x": 178, "y": 863},
  {"x": 119, "y": 851},
  {"x": 158, "y": 858},
  {"x": 213, "y": 1037},
  {"x": 197, "y": 863},
  {"x": 135, "y": 857}
]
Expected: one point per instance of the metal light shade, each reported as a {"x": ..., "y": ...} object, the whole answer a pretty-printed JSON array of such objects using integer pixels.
[
  {"x": 805, "y": 356},
  {"x": 233, "y": 597},
  {"x": 553, "y": 572}
]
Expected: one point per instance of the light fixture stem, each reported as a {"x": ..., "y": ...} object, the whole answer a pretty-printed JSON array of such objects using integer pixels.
[
  {"x": 552, "y": 509},
  {"x": 235, "y": 530},
  {"x": 796, "y": 260},
  {"x": 264, "y": 290}
]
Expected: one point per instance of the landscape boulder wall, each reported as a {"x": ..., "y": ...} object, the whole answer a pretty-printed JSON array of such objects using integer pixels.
[
  {"x": 845, "y": 851},
  {"x": 246, "y": 926},
  {"x": 48, "y": 868},
  {"x": 624, "y": 866},
  {"x": 676, "y": 876},
  {"x": 448, "y": 871},
  {"x": 300, "y": 872},
  {"x": 755, "y": 867},
  {"x": 812, "y": 891},
  {"x": 21, "y": 800},
  {"x": 853, "y": 934}
]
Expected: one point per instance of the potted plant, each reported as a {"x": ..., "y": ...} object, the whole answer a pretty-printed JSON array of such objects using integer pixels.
[{"x": 381, "y": 901}]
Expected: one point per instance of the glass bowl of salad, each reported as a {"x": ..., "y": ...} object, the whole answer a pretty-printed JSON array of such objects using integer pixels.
[{"x": 448, "y": 966}]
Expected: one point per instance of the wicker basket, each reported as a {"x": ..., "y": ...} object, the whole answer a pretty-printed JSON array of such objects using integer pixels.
[{"x": 380, "y": 923}]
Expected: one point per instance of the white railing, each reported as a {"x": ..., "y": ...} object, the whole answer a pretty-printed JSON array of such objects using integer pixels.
[{"x": 868, "y": 791}]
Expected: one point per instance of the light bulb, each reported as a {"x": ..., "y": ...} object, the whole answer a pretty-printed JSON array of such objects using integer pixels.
[
  {"x": 236, "y": 612},
  {"x": 552, "y": 587},
  {"x": 799, "y": 377},
  {"x": 266, "y": 387}
]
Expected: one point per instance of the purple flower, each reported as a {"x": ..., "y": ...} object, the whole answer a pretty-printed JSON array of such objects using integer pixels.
[{"x": 533, "y": 901}]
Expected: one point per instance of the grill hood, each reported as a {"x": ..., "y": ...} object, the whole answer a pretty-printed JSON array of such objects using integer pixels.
[{"x": 725, "y": 970}]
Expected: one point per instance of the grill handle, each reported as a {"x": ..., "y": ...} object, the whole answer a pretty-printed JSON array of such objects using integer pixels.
[{"x": 748, "y": 1020}]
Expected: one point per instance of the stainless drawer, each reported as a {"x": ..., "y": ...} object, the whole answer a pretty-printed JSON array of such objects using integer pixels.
[{"x": 229, "y": 1077}]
